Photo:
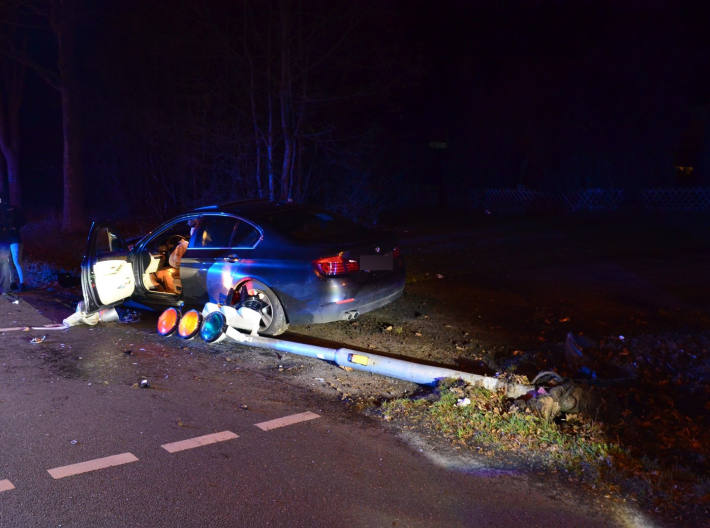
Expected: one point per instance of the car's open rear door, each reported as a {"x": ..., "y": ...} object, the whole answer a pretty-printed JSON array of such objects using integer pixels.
[{"x": 107, "y": 276}]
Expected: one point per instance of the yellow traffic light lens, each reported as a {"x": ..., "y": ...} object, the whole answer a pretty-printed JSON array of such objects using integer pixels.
[{"x": 190, "y": 324}]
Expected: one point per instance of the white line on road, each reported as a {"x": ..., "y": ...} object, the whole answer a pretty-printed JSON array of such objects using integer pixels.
[
  {"x": 199, "y": 441},
  {"x": 92, "y": 465},
  {"x": 6, "y": 485},
  {"x": 287, "y": 420}
]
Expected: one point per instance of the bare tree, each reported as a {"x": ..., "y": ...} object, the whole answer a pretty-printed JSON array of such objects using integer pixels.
[
  {"x": 63, "y": 21},
  {"x": 62, "y": 16},
  {"x": 12, "y": 81},
  {"x": 11, "y": 91}
]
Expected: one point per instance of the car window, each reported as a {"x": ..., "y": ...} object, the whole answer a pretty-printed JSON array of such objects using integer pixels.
[
  {"x": 168, "y": 237},
  {"x": 223, "y": 231},
  {"x": 108, "y": 242}
]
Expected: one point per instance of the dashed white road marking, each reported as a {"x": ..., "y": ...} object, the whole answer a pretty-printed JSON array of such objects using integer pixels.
[
  {"x": 6, "y": 485},
  {"x": 199, "y": 441},
  {"x": 92, "y": 465},
  {"x": 287, "y": 420}
]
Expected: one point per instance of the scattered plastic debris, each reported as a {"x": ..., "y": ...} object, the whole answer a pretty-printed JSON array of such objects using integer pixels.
[
  {"x": 16, "y": 301},
  {"x": 81, "y": 317},
  {"x": 74, "y": 442},
  {"x": 144, "y": 384},
  {"x": 128, "y": 316},
  {"x": 39, "y": 339},
  {"x": 109, "y": 315},
  {"x": 244, "y": 406},
  {"x": 463, "y": 402}
]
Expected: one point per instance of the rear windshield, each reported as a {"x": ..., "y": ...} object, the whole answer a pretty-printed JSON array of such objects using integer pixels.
[{"x": 314, "y": 226}]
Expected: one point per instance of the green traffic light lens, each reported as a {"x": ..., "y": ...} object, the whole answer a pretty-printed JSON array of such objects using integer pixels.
[{"x": 213, "y": 327}]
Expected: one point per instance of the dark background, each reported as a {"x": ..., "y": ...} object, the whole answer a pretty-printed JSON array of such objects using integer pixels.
[{"x": 399, "y": 105}]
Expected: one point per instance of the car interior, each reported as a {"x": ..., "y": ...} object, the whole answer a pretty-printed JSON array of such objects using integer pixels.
[{"x": 158, "y": 252}]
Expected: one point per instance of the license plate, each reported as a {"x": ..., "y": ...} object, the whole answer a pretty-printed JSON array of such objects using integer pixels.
[{"x": 376, "y": 262}]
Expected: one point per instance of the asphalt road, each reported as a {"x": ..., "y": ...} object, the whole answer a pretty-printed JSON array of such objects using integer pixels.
[{"x": 74, "y": 399}]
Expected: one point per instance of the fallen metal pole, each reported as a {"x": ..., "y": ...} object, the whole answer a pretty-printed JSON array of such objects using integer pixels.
[{"x": 376, "y": 364}]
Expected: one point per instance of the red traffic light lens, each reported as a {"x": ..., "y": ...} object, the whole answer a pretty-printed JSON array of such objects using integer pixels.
[{"x": 168, "y": 321}]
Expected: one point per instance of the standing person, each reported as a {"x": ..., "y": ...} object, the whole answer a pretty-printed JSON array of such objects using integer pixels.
[
  {"x": 11, "y": 220},
  {"x": 5, "y": 273}
]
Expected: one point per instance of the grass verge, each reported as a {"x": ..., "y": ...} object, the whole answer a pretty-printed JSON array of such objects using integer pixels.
[{"x": 492, "y": 423}]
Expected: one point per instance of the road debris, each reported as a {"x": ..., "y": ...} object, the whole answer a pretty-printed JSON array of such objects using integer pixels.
[
  {"x": 144, "y": 384},
  {"x": 38, "y": 339},
  {"x": 127, "y": 316}
]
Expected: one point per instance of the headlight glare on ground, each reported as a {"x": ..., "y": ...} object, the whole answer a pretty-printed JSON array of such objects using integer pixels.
[
  {"x": 190, "y": 324},
  {"x": 214, "y": 327},
  {"x": 168, "y": 321}
]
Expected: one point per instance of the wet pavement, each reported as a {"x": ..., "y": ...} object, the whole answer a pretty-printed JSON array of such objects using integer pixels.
[{"x": 74, "y": 402}]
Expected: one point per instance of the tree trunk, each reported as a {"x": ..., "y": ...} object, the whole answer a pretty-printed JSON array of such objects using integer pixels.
[
  {"x": 3, "y": 174},
  {"x": 12, "y": 159},
  {"x": 10, "y": 103},
  {"x": 252, "y": 103},
  {"x": 73, "y": 213},
  {"x": 285, "y": 103},
  {"x": 63, "y": 24}
]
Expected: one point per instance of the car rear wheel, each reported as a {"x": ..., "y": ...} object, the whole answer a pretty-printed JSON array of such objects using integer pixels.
[{"x": 259, "y": 296}]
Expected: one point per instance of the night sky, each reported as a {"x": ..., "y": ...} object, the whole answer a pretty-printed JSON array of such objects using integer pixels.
[{"x": 553, "y": 95}]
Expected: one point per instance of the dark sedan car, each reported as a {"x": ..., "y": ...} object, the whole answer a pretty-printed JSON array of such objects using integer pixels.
[{"x": 295, "y": 264}]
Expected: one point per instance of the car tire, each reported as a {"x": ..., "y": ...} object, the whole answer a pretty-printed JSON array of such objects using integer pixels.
[{"x": 273, "y": 321}]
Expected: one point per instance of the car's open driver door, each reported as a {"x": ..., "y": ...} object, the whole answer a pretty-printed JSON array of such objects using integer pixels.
[{"x": 107, "y": 276}]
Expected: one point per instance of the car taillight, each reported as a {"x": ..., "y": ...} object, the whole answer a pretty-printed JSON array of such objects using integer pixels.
[
  {"x": 395, "y": 252},
  {"x": 337, "y": 265}
]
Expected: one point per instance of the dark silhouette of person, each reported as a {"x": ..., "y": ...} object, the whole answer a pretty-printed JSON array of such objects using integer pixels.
[{"x": 11, "y": 220}]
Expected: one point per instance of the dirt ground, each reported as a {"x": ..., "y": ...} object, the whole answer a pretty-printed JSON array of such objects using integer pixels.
[{"x": 491, "y": 294}]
